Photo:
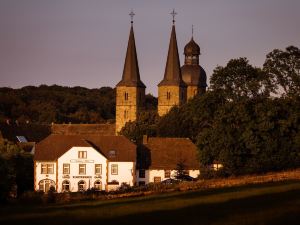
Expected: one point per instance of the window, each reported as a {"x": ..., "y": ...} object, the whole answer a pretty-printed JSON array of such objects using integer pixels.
[
  {"x": 142, "y": 173},
  {"x": 167, "y": 173},
  {"x": 112, "y": 153},
  {"x": 157, "y": 179},
  {"x": 168, "y": 95},
  {"x": 82, "y": 154},
  {"x": 45, "y": 185},
  {"x": 126, "y": 96},
  {"x": 97, "y": 185},
  {"x": 47, "y": 168},
  {"x": 125, "y": 114},
  {"x": 81, "y": 185},
  {"x": 114, "y": 169},
  {"x": 82, "y": 168},
  {"x": 66, "y": 185},
  {"x": 98, "y": 169},
  {"x": 43, "y": 168},
  {"x": 66, "y": 168}
]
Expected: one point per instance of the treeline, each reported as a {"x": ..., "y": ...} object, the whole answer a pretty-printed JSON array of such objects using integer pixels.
[
  {"x": 249, "y": 119},
  {"x": 47, "y": 104},
  {"x": 58, "y": 104}
]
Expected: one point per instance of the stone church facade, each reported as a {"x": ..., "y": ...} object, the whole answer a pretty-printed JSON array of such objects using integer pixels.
[{"x": 178, "y": 85}]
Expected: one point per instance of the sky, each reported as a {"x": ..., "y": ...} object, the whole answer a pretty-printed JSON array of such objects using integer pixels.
[{"x": 83, "y": 42}]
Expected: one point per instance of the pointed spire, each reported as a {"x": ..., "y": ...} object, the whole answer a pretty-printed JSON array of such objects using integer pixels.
[
  {"x": 131, "y": 73},
  {"x": 172, "y": 72}
]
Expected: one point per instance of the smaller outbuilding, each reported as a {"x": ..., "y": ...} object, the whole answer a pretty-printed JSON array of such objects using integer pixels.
[{"x": 160, "y": 159}]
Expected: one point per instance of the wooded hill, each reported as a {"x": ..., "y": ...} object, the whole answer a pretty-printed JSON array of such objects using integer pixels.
[{"x": 47, "y": 104}]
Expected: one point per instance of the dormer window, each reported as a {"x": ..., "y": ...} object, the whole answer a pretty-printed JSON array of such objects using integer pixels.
[{"x": 112, "y": 153}]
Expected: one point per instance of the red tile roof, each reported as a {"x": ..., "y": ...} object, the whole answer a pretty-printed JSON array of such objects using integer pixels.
[{"x": 55, "y": 145}]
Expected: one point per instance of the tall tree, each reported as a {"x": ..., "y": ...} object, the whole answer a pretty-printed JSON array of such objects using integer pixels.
[
  {"x": 284, "y": 68},
  {"x": 238, "y": 79}
]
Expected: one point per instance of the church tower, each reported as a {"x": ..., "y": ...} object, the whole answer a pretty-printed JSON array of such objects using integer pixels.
[
  {"x": 172, "y": 89},
  {"x": 130, "y": 91},
  {"x": 193, "y": 74}
]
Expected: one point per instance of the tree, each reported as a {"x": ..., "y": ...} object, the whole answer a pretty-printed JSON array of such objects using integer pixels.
[
  {"x": 146, "y": 124},
  {"x": 284, "y": 68},
  {"x": 238, "y": 79}
]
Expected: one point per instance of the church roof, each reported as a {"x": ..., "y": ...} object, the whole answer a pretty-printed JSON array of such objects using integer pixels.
[
  {"x": 194, "y": 75},
  {"x": 172, "y": 76},
  {"x": 55, "y": 145},
  {"x": 104, "y": 129},
  {"x": 167, "y": 153},
  {"x": 192, "y": 48},
  {"x": 131, "y": 73}
]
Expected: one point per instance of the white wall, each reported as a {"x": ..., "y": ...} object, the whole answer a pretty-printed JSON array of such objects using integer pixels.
[
  {"x": 39, "y": 176},
  {"x": 71, "y": 157},
  {"x": 150, "y": 174},
  {"x": 126, "y": 173}
]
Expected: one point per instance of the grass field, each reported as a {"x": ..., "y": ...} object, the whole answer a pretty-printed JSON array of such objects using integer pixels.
[{"x": 274, "y": 203}]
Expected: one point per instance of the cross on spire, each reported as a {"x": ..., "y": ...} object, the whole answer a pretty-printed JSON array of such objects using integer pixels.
[
  {"x": 192, "y": 31},
  {"x": 173, "y": 13},
  {"x": 131, "y": 14}
]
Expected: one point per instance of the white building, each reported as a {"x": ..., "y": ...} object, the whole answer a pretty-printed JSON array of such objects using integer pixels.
[
  {"x": 159, "y": 159},
  {"x": 79, "y": 162}
]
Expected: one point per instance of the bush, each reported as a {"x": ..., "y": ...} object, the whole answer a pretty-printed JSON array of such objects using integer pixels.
[{"x": 32, "y": 197}]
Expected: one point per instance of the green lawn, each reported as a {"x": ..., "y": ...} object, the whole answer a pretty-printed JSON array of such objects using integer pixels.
[{"x": 277, "y": 203}]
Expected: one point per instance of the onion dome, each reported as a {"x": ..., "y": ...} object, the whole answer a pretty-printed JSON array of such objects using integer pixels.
[
  {"x": 194, "y": 75},
  {"x": 192, "y": 48}
]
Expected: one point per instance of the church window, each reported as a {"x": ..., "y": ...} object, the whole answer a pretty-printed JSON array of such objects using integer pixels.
[
  {"x": 168, "y": 95},
  {"x": 126, "y": 96},
  {"x": 125, "y": 114}
]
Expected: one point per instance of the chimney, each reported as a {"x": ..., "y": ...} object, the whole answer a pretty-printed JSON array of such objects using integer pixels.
[{"x": 145, "y": 139}]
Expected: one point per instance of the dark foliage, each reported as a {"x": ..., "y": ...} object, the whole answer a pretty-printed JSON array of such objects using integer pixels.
[
  {"x": 238, "y": 122},
  {"x": 47, "y": 104},
  {"x": 16, "y": 171}
]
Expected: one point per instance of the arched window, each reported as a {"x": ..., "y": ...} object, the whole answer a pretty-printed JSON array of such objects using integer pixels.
[
  {"x": 65, "y": 185},
  {"x": 46, "y": 184},
  {"x": 97, "y": 185},
  {"x": 81, "y": 185}
]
